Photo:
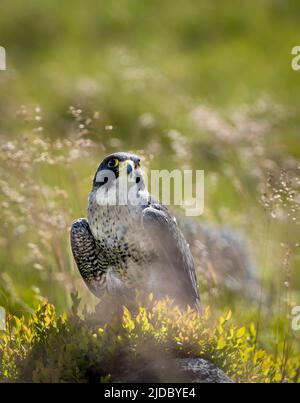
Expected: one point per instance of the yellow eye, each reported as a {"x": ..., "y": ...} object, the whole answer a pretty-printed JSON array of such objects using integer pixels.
[{"x": 113, "y": 163}]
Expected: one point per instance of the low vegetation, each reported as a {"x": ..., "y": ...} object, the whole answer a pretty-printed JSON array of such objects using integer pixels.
[{"x": 73, "y": 348}]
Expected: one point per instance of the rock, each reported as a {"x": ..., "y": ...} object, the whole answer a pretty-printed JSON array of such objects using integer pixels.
[
  {"x": 197, "y": 370},
  {"x": 185, "y": 370}
]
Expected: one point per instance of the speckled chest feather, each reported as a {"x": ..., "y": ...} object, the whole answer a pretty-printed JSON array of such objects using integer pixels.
[{"x": 119, "y": 233}]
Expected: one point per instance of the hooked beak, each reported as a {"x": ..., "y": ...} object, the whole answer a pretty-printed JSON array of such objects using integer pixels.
[{"x": 126, "y": 168}]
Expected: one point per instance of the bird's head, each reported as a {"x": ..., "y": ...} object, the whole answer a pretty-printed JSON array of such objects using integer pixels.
[{"x": 119, "y": 172}]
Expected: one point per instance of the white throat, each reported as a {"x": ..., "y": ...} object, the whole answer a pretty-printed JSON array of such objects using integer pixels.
[{"x": 121, "y": 192}]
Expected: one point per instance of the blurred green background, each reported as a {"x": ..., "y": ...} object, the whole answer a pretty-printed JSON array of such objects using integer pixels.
[
  {"x": 127, "y": 57},
  {"x": 200, "y": 84}
]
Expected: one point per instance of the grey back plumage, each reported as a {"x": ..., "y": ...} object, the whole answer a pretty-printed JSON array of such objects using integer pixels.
[{"x": 175, "y": 252}]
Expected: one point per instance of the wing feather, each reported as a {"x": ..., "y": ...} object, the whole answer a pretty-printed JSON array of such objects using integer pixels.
[
  {"x": 171, "y": 244},
  {"x": 88, "y": 256}
]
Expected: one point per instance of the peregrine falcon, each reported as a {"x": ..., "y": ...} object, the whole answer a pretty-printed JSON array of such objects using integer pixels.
[{"x": 130, "y": 241}]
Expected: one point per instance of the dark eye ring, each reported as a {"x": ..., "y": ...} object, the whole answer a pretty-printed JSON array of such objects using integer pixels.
[{"x": 113, "y": 163}]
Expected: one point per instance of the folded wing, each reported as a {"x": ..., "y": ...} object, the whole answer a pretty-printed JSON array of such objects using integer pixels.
[{"x": 175, "y": 252}]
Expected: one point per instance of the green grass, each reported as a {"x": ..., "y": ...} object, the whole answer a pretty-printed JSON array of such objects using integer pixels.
[{"x": 219, "y": 74}]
